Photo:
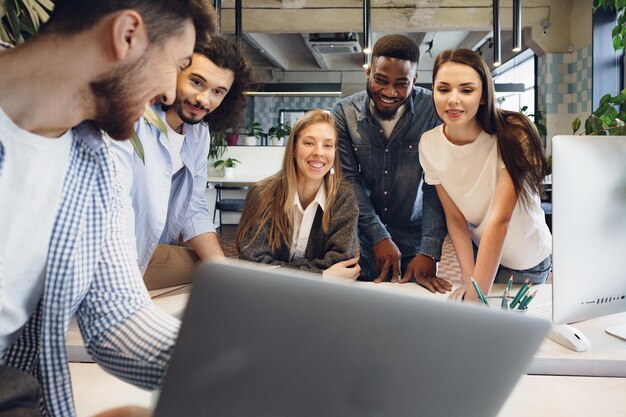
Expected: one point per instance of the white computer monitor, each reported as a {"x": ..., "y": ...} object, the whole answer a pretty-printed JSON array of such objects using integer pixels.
[{"x": 588, "y": 227}]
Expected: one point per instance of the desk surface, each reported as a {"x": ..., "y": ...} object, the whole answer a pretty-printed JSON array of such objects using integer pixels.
[
  {"x": 541, "y": 395},
  {"x": 606, "y": 357},
  {"x": 237, "y": 180},
  {"x": 95, "y": 391}
]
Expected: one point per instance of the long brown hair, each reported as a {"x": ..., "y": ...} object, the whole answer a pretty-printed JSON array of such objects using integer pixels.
[
  {"x": 519, "y": 143},
  {"x": 274, "y": 203}
]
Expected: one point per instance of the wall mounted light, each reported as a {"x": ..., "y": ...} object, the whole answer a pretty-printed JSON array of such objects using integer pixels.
[
  {"x": 517, "y": 25},
  {"x": 367, "y": 27},
  {"x": 218, "y": 13},
  {"x": 497, "y": 58},
  {"x": 238, "y": 24}
]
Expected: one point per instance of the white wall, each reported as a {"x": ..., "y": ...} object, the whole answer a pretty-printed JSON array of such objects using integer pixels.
[{"x": 257, "y": 162}]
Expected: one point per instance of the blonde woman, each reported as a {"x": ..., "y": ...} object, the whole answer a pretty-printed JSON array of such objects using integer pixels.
[{"x": 305, "y": 216}]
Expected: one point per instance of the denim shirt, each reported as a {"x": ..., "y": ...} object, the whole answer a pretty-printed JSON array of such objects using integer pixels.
[
  {"x": 165, "y": 205},
  {"x": 394, "y": 201}
]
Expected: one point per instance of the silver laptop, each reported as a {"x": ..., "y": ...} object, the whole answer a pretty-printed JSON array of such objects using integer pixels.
[{"x": 276, "y": 343}]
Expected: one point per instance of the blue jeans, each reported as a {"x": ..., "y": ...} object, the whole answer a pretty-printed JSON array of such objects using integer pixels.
[{"x": 537, "y": 274}]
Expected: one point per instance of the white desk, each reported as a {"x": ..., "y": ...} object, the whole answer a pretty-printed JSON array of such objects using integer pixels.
[
  {"x": 534, "y": 396},
  {"x": 237, "y": 181}
]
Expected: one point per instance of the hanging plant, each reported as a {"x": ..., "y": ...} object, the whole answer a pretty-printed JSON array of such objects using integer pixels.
[{"x": 21, "y": 19}]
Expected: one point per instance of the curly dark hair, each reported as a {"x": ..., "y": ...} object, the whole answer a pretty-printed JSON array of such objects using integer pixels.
[
  {"x": 397, "y": 46},
  {"x": 225, "y": 53}
]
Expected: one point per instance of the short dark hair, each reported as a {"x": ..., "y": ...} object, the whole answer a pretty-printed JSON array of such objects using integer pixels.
[
  {"x": 397, "y": 46},
  {"x": 162, "y": 18},
  {"x": 226, "y": 53}
]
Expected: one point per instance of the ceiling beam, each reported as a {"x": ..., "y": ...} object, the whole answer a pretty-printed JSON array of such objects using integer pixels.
[
  {"x": 269, "y": 49},
  {"x": 475, "y": 39},
  {"x": 393, "y": 20}
]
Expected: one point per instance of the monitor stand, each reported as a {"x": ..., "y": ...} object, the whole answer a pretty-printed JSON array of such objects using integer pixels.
[{"x": 618, "y": 331}]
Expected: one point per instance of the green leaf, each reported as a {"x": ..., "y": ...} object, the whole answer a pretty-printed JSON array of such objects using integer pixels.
[
  {"x": 47, "y": 4},
  {"x": 619, "y": 99},
  {"x": 593, "y": 124},
  {"x": 41, "y": 12},
  {"x": 605, "y": 99},
  {"x": 152, "y": 118},
  {"x": 576, "y": 125},
  {"x": 618, "y": 43},
  {"x": 138, "y": 147},
  {"x": 4, "y": 35}
]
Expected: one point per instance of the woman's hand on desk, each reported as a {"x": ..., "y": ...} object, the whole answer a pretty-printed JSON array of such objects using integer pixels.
[
  {"x": 465, "y": 293},
  {"x": 349, "y": 269}
]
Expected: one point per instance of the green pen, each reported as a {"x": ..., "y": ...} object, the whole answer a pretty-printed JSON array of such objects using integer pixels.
[
  {"x": 522, "y": 301},
  {"x": 505, "y": 299},
  {"x": 481, "y": 297},
  {"x": 528, "y": 299},
  {"x": 522, "y": 290},
  {"x": 508, "y": 286},
  {"x": 520, "y": 294}
]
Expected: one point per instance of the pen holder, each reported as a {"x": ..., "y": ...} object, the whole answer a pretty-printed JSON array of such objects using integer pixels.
[{"x": 495, "y": 301}]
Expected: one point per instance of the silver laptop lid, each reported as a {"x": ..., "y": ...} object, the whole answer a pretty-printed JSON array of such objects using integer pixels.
[{"x": 280, "y": 343}]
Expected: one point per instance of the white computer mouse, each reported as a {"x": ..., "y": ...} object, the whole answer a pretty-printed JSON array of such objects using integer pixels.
[{"x": 569, "y": 337}]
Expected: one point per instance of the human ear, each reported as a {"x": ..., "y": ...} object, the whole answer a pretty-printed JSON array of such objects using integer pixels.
[{"x": 129, "y": 35}]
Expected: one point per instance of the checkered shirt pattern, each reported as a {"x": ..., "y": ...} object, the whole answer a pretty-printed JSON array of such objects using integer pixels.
[{"x": 91, "y": 274}]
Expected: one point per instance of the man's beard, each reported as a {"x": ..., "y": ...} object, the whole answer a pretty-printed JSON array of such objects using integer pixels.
[
  {"x": 382, "y": 114},
  {"x": 179, "y": 107},
  {"x": 116, "y": 97}
]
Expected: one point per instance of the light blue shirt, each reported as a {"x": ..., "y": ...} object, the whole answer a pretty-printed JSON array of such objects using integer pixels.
[{"x": 165, "y": 205}]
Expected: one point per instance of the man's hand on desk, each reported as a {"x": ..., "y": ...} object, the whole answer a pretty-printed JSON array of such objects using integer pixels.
[
  {"x": 126, "y": 412},
  {"x": 424, "y": 269},
  {"x": 387, "y": 256}
]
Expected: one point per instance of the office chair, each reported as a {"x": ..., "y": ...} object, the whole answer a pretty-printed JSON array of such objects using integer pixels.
[{"x": 227, "y": 204}]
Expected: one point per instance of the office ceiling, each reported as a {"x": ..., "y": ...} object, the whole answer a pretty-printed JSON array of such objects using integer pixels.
[{"x": 280, "y": 35}]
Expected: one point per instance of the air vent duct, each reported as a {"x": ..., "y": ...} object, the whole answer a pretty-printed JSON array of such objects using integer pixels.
[{"x": 333, "y": 43}]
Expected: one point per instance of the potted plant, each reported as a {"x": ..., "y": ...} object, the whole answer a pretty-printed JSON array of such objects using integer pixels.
[
  {"x": 607, "y": 119},
  {"x": 228, "y": 165},
  {"x": 218, "y": 145},
  {"x": 279, "y": 132},
  {"x": 253, "y": 132}
]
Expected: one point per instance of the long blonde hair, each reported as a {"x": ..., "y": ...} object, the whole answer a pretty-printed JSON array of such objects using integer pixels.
[{"x": 274, "y": 203}]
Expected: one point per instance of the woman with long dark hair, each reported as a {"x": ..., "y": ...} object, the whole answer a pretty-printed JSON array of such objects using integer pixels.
[
  {"x": 305, "y": 216},
  {"x": 487, "y": 165}
]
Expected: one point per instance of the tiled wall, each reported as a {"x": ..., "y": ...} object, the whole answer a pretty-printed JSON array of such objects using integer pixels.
[
  {"x": 565, "y": 81},
  {"x": 266, "y": 108},
  {"x": 564, "y": 89}
]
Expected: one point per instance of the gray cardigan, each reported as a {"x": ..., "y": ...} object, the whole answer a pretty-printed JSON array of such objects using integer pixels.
[{"x": 323, "y": 249}]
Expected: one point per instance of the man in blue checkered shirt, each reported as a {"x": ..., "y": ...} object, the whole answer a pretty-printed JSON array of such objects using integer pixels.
[{"x": 64, "y": 251}]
